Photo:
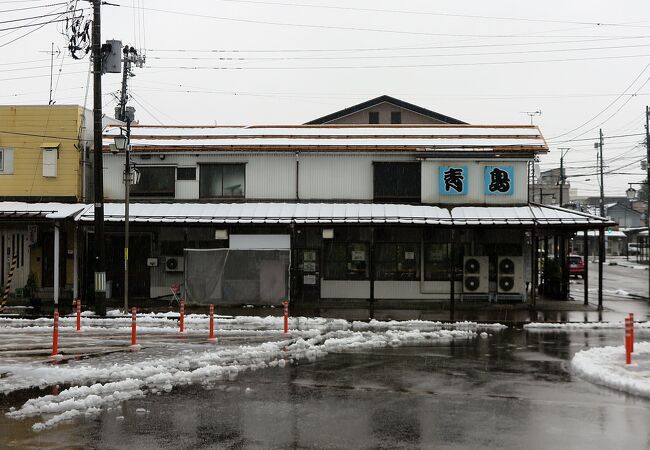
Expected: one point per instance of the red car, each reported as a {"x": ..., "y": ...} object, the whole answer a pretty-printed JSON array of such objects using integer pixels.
[{"x": 577, "y": 266}]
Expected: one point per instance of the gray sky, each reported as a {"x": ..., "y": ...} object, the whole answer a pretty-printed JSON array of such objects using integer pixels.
[{"x": 583, "y": 63}]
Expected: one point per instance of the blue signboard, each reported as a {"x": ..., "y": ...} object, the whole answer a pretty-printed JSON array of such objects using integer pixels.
[
  {"x": 499, "y": 180},
  {"x": 453, "y": 180}
]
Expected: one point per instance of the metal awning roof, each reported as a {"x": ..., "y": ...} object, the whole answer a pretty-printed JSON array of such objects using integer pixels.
[
  {"x": 342, "y": 213},
  {"x": 50, "y": 210}
]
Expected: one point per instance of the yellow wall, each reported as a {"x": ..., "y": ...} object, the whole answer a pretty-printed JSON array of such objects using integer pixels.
[{"x": 39, "y": 125}]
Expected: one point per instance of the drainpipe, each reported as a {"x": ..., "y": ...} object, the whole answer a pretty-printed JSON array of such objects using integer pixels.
[{"x": 297, "y": 176}]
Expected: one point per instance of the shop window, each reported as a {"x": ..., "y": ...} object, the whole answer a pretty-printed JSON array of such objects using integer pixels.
[
  {"x": 373, "y": 117},
  {"x": 346, "y": 261},
  {"x": 397, "y": 261},
  {"x": 155, "y": 182},
  {"x": 397, "y": 182},
  {"x": 395, "y": 117},
  {"x": 436, "y": 261},
  {"x": 222, "y": 180}
]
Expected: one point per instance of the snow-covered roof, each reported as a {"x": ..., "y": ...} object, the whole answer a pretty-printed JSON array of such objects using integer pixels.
[
  {"x": 608, "y": 233},
  {"x": 524, "y": 138},
  {"x": 339, "y": 213},
  {"x": 50, "y": 210}
]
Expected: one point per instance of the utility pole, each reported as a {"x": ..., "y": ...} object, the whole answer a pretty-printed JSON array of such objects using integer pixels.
[
  {"x": 601, "y": 234},
  {"x": 562, "y": 177},
  {"x": 100, "y": 246},
  {"x": 647, "y": 145}
]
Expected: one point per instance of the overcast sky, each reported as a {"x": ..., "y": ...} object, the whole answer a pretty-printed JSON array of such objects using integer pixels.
[{"x": 583, "y": 63}]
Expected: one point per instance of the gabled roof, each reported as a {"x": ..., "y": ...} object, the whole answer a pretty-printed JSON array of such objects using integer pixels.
[{"x": 385, "y": 99}]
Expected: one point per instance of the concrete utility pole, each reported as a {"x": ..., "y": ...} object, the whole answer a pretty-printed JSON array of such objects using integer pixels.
[
  {"x": 100, "y": 246},
  {"x": 563, "y": 152},
  {"x": 601, "y": 234},
  {"x": 647, "y": 145}
]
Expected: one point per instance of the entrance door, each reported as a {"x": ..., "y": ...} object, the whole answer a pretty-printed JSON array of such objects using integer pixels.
[
  {"x": 13, "y": 243},
  {"x": 139, "y": 278},
  {"x": 306, "y": 274},
  {"x": 48, "y": 259}
]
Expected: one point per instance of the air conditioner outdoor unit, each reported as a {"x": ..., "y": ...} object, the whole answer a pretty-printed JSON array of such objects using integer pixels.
[
  {"x": 174, "y": 264},
  {"x": 475, "y": 275},
  {"x": 510, "y": 275}
]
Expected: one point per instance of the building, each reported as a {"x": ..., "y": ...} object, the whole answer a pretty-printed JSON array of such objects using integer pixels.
[
  {"x": 43, "y": 150},
  {"x": 546, "y": 189}
]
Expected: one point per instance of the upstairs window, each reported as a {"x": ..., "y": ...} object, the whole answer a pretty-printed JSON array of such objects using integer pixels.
[
  {"x": 6, "y": 161},
  {"x": 395, "y": 117},
  {"x": 222, "y": 180},
  {"x": 155, "y": 182},
  {"x": 397, "y": 182},
  {"x": 373, "y": 117}
]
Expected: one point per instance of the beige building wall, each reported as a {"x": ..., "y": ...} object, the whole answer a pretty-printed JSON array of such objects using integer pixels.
[{"x": 384, "y": 109}]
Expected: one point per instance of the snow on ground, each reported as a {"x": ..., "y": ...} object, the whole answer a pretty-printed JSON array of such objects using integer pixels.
[
  {"x": 606, "y": 366},
  {"x": 568, "y": 326},
  {"x": 167, "y": 360}
]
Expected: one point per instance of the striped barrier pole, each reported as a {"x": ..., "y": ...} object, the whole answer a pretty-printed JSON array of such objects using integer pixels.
[
  {"x": 78, "y": 303},
  {"x": 55, "y": 334},
  {"x": 10, "y": 275},
  {"x": 211, "y": 337},
  {"x": 628, "y": 341},
  {"x": 133, "y": 328},
  {"x": 182, "y": 318},
  {"x": 286, "y": 316}
]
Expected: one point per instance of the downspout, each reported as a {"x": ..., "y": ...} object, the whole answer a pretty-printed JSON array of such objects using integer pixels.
[{"x": 297, "y": 176}]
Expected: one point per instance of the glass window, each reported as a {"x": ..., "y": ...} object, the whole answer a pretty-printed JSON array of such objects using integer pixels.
[
  {"x": 397, "y": 181},
  {"x": 2, "y": 160},
  {"x": 397, "y": 261},
  {"x": 373, "y": 117},
  {"x": 346, "y": 261},
  {"x": 222, "y": 180},
  {"x": 436, "y": 261},
  {"x": 395, "y": 117},
  {"x": 155, "y": 182},
  {"x": 186, "y": 173}
]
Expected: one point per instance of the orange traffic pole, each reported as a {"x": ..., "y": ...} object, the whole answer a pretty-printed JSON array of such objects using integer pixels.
[
  {"x": 133, "y": 327},
  {"x": 55, "y": 334},
  {"x": 632, "y": 332},
  {"x": 211, "y": 337},
  {"x": 182, "y": 319},
  {"x": 628, "y": 341},
  {"x": 286, "y": 316},
  {"x": 78, "y": 314}
]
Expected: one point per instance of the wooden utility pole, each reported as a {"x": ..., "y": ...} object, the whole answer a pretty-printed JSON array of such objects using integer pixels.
[{"x": 100, "y": 246}]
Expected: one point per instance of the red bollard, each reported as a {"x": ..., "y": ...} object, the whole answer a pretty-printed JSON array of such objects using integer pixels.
[
  {"x": 182, "y": 321},
  {"x": 632, "y": 332},
  {"x": 133, "y": 329},
  {"x": 55, "y": 334},
  {"x": 286, "y": 316},
  {"x": 78, "y": 314},
  {"x": 211, "y": 337},
  {"x": 628, "y": 341}
]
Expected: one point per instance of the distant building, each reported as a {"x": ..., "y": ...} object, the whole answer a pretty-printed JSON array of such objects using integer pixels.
[{"x": 545, "y": 190}]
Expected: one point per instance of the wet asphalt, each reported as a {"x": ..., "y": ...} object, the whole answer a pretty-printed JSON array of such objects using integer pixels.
[{"x": 511, "y": 390}]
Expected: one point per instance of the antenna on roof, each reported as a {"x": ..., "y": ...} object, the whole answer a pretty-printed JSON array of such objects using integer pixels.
[{"x": 532, "y": 114}]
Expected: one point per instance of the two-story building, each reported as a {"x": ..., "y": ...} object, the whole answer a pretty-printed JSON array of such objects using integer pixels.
[
  {"x": 374, "y": 217},
  {"x": 43, "y": 150}
]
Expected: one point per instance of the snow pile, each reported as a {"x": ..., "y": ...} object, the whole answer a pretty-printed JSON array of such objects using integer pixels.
[
  {"x": 568, "y": 326},
  {"x": 606, "y": 366},
  {"x": 101, "y": 382}
]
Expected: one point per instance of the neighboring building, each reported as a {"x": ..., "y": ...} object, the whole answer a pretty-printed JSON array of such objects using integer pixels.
[
  {"x": 624, "y": 216},
  {"x": 546, "y": 189},
  {"x": 385, "y": 110}
]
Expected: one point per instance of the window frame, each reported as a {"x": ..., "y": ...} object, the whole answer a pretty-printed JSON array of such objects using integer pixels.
[
  {"x": 179, "y": 178},
  {"x": 354, "y": 271},
  {"x": 2, "y": 160},
  {"x": 395, "y": 198},
  {"x": 134, "y": 189},
  {"x": 222, "y": 166},
  {"x": 373, "y": 115},
  {"x": 396, "y": 115},
  {"x": 398, "y": 273}
]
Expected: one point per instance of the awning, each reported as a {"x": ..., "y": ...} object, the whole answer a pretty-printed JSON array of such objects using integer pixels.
[
  {"x": 50, "y": 210},
  {"x": 342, "y": 213}
]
